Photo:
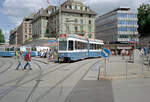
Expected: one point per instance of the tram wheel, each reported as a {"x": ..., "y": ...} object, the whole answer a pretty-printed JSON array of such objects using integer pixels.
[{"x": 69, "y": 60}]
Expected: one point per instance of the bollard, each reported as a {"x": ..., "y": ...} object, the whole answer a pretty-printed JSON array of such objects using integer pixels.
[
  {"x": 142, "y": 63},
  {"x": 126, "y": 69},
  {"x": 105, "y": 67}
]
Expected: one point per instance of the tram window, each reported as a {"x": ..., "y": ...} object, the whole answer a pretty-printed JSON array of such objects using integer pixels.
[
  {"x": 70, "y": 47},
  {"x": 6, "y": 49},
  {"x": 63, "y": 45},
  {"x": 79, "y": 45},
  {"x": 12, "y": 49},
  {"x": 91, "y": 46},
  {"x": 94, "y": 46},
  {"x": 33, "y": 49},
  {"x": 83, "y": 45},
  {"x": 17, "y": 49},
  {"x": 2, "y": 49},
  {"x": 76, "y": 45},
  {"x": 98, "y": 46},
  {"x": 86, "y": 46}
]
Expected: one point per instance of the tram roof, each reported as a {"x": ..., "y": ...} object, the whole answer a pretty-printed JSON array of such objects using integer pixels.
[{"x": 65, "y": 36}]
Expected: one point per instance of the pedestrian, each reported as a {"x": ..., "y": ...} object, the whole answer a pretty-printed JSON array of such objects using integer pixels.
[
  {"x": 123, "y": 53},
  {"x": 50, "y": 54},
  {"x": 27, "y": 58},
  {"x": 20, "y": 59},
  {"x": 142, "y": 52},
  {"x": 16, "y": 54}
]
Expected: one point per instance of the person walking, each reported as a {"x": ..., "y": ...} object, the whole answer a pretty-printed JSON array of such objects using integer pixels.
[
  {"x": 123, "y": 54},
  {"x": 28, "y": 60},
  {"x": 20, "y": 59}
]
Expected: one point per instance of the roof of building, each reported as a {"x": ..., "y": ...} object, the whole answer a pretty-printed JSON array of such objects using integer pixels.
[
  {"x": 114, "y": 10},
  {"x": 70, "y": 2},
  {"x": 43, "y": 12}
]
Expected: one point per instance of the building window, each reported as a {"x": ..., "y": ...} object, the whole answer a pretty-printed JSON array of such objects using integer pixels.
[
  {"x": 76, "y": 29},
  {"x": 89, "y": 28},
  {"x": 29, "y": 30},
  {"x": 131, "y": 29},
  {"x": 89, "y": 16},
  {"x": 81, "y": 8},
  {"x": 25, "y": 30},
  {"x": 70, "y": 6},
  {"x": 81, "y": 21},
  {"x": 76, "y": 7},
  {"x": 123, "y": 36},
  {"x": 81, "y": 15},
  {"x": 25, "y": 36},
  {"x": 76, "y": 20},
  {"x": 89, "y": 21},
  {"x": 81, "y": 28}
]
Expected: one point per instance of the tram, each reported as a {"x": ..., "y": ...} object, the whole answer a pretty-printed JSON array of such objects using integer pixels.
[
  {"x": 74, "y": 47},
  {"x": 9, "y": 50}
]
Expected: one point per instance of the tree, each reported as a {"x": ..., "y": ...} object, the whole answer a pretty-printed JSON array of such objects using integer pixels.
[
  {"x": 2, "y": 38},
  {"x": 144, "y": 20}
]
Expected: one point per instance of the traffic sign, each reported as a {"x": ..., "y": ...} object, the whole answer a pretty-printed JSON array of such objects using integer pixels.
[{"x": 105, "y": 53}]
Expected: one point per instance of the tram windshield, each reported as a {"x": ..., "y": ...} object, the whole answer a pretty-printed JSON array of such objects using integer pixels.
[
  {"x": 63, "y": 45},
  {"x": 70, "y": 47}
]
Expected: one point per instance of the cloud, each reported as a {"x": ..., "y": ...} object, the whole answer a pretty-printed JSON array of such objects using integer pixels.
[
  {"x": 103, "y": 6},
  {"x": 18, "y": 9}
]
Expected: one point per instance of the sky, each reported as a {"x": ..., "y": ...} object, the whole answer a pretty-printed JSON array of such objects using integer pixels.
[{"x": 13, "y": 11}]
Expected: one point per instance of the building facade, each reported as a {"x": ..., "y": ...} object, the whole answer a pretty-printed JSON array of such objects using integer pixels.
[
  {"x": 72, "y": 18},
  {"x": 13, "y": 36},
  {"x": 25, "y": 30},
  {"x": 40, "y": 24},
  {"x": 117, "y": 26}
]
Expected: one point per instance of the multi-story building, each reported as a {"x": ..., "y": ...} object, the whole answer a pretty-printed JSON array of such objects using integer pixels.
[
  {"x": 13, "y": 36},
  {"x": 72, "y": 18},
  {"x": 25, "y": 30},
  {"x": 117, "y": 26},
  {"x": 40, "y": 24}
]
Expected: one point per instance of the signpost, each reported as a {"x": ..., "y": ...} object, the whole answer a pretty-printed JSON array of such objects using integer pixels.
[{"x": 105, "y": 54}]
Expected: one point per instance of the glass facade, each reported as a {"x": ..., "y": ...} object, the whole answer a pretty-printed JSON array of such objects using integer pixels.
[
  {"x": 131, "y": 29},
  {"x": 126, "y": 15},
  {"x": 117, "y": 26},
  {"x": 127, "y": 22}
]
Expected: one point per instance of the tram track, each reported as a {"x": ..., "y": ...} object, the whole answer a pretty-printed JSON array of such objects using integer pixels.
[
  {"x": 2, "y": 63},
  {"x": 37, "y": 82},
  {"x": 11, "y": 88},
  {"x": 71, "y": 93},
  {"x": 37, "y": 78},
  {"x": 8, "y": 67},
  {"x": 59, "y": 82},
  {"x": 19, "y": 84}
]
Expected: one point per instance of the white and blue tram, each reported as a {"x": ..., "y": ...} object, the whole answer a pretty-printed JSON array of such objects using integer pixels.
[
  {"x": 9, "y": 50},
  {"x": 74, "y": 47}
]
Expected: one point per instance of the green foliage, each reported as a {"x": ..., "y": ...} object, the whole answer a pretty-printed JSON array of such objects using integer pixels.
[
  {"x": 2, "y": 38},
  {"x": 144, "y": 20}
]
